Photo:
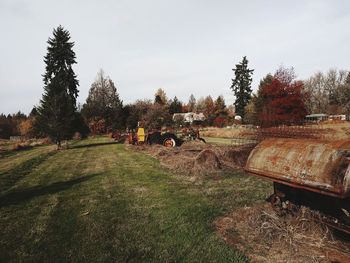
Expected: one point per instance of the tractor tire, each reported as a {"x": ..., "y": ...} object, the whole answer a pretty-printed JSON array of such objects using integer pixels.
[
  {"x": 154, "y": 138},
  {"x": 170, "y": 140}
]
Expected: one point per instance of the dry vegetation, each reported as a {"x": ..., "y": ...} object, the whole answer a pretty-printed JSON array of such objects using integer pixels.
[
  {"x": 336, "y": 130},
  {"x": 7, "y": 146},
  {"x": 198, "y": 159},
  {"x": 232, "y": 132},
  {"x": 330, "y": 130},
  {"x": 264, "y": 237}
]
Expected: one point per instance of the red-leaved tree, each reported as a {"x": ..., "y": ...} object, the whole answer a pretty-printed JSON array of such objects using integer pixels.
[{"x": 283, "y": 103}]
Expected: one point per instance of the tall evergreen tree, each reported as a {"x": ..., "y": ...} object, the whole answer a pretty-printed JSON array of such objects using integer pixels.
[
  {"x": 56, "y": 111},
  {"x": 260, "y": 99},
  {"x": 220, "y": 106},
  {"x": 103, "y": 102},
  {"x": 241, "y": 85},
  {"x": 175, "y": 106}
]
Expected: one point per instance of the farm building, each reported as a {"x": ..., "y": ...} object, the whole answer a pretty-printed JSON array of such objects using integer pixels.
[
  {"x": 340, "y": 117},
  {"x": 189, "y": 117},
  {"x": 316, "y": 117}
]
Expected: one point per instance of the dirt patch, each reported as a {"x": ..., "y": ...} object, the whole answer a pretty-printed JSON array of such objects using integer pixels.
[
  {"x": 264, "y": 237},
  {"x": 197, "y": 158}
]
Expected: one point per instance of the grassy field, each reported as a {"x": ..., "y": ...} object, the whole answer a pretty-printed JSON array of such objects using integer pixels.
[{"x": 102, "y": 202}]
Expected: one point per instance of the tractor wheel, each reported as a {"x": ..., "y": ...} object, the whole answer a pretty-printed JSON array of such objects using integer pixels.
[
  {"x": 169, "y": 142},
  {"x": 154, "y": 138}
]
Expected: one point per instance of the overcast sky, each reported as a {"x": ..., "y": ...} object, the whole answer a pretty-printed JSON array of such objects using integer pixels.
[{"x": 181, "y": 46}]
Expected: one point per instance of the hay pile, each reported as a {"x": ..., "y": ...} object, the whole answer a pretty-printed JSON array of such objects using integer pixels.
[
  {"x": 264, "y": 237},
  {"x": 197, "y": 158}
]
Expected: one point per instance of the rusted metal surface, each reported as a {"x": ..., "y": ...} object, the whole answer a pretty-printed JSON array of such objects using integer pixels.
[{"x": 314, "y": 165}]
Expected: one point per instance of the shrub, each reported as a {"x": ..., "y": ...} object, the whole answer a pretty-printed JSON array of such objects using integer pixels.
[{"x": 77, "y": 136}]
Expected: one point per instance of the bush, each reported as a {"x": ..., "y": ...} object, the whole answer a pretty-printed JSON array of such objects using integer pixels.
[
  {"x": 77, "y": 136},
  {"x": 220, "y": 122}
]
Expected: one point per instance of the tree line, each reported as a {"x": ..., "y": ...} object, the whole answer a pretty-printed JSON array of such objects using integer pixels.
[{"x": 280, "y": 99}]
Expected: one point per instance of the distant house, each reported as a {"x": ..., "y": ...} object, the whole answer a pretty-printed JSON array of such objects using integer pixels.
[
  {"x": 339, "y": 117},
  {"x": 316, "y": 117},
  {"x": 189, "y": 117}
]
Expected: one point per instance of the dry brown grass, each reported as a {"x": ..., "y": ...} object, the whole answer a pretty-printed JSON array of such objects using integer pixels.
[
  {"x": 236, "y": 131},
  {"x": 330, "y": 130},
  {"x": 265, "y": 237},
  {"x": 8, "y": 146},
  {"x": 336, "y": 130},
  {"x": 199, "y": 159}
]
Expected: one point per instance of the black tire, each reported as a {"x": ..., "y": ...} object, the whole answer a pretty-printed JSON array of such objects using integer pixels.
[
  {"x": 154, "y": 138},
  {"x": 170, "y": 140}
]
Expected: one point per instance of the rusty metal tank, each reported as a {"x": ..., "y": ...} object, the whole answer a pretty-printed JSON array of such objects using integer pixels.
[
  {"x": 314, "y": 165},
  {"x": 309, "y": 172}
]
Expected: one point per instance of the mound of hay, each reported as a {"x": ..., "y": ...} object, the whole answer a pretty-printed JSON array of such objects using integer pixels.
[
  {"x": 265, "y": 237},
  {"x": 207, "y": 159},
  {"x": 194, "y": 146},
  {"x": 197, "y": 158},
  {"x": 234, "y": 156}
]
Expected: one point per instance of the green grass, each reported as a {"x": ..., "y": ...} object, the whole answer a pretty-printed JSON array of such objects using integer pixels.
[{"x": 101, "y": 202}]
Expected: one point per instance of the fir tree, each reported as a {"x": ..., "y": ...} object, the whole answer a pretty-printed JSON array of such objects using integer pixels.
[
  {"x": 241, "y": 86},
  {"x": 220, "y": 106},
  {"x": 175, "y": 106},
  {"x": 103, "y": 102},
  {"x": 56, "y": 111}
]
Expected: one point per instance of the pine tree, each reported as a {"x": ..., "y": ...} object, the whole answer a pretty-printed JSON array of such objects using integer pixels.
[
  {"x": 57, "y": 107},
  {"x": 220, "y": 106},
  {"x": 103, "y": 102},
  {"x": 241, "y": 85},
  {"x": 175, "y": 106},
  {"x": 260, "y": 99}
]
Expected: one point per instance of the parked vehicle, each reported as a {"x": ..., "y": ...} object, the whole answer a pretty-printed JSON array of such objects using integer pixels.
[{"x": 169, "y": 138}]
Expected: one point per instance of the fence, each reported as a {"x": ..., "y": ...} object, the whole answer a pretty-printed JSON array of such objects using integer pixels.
[{"x": 307, "y": 131}]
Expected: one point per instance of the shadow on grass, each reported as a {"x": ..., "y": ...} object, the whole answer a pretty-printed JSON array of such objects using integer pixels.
[
  {"x": 7, "y": 153},
  {"x": 91, "y": 145},
  {"x": 10, "y": 152},
  {"x": 9, "y": 178},
  {"x": 19, "y": 196}
]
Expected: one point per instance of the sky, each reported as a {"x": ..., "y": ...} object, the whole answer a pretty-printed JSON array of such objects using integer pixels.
[{"x": 182, "y": 46}]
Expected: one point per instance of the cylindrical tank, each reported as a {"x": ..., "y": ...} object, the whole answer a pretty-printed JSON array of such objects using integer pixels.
[{"x": 314, "y": 165}]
